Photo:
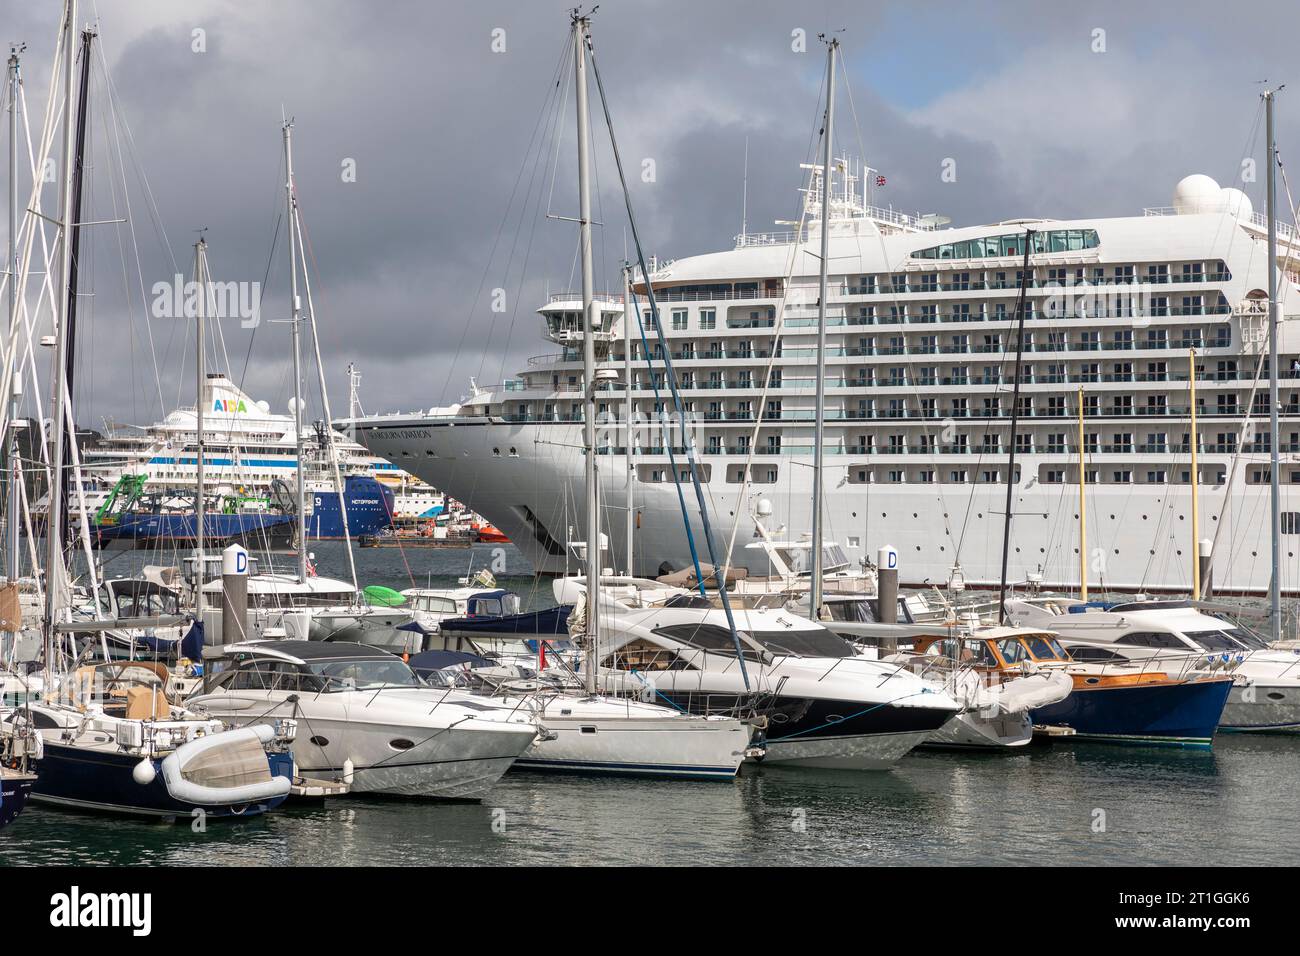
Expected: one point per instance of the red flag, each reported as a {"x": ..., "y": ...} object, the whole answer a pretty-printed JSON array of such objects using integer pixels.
[
  {"x": 880, "y": 180},
  {"x": 541, "y": 655}
]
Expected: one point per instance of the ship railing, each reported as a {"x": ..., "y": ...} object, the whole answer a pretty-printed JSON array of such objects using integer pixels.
[
  {"x": 609, "y": 298},
  {"x": 1255, "y": 219}
]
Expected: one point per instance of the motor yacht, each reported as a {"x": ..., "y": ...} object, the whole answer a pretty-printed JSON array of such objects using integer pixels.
[{"x": 369, "y": 720}]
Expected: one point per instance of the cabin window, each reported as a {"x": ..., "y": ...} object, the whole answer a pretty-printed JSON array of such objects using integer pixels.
[
  {"x": 1151, "y": 639},
  {"x": 642, "y": 655}
]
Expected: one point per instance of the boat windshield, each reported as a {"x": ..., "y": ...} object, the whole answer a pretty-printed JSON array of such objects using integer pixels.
[
  {"x": 1046, "y": 648},
  {"x": 1229, "y": 639},
  {"x": 366, "y": 674},
  {"x": 859, "y": 611},
  {"x": 813, "y": 642}
]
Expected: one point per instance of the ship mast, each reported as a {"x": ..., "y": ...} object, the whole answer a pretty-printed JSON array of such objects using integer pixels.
[
  {"x": 1275, "y": 582},
  {"x": 819, "y": 427},
  {"x": 295, "y": 321},
  {"x": 580, "y": 27}
]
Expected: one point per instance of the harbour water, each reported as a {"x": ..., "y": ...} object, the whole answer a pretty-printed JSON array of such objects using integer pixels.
[{"x": 1059, "y": 804}]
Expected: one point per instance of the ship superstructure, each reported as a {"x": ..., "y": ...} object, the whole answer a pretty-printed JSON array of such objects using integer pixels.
[{"x": 920, "y": 355}]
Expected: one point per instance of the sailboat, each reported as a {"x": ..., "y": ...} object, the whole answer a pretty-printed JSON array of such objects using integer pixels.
[
  {"x": 112, "y": 738},
  {"x": 584, "y": 729},
  {"x": 303, "y": 604}
]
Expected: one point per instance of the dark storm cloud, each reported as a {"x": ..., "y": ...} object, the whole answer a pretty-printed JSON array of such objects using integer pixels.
[{"x": 439, "y": 125}]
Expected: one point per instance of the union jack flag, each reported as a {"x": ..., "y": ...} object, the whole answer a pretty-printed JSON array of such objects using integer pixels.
[{"x": 880, "y": 180}]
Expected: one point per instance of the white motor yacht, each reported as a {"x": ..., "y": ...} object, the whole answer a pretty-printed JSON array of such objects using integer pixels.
[
  {"x": 824, "y": 705},
  {"x": 367, "y": 720}
]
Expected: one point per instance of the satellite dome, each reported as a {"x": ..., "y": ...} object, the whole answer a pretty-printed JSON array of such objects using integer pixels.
[
  {"x": 1197, "y": 193},
  {"x": 264, "y": 406},
  {"x": 293, "y": 405},
  {"x": 1237, "y": 203}
]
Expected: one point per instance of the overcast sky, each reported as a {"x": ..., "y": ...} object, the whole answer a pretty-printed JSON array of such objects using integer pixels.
[{"x": 1045, "y": 111}]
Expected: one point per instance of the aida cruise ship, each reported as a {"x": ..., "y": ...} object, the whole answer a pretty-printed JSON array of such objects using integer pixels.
[
  {"x": 1122, "y": 314},
  {"x": 252, "y": 451}
]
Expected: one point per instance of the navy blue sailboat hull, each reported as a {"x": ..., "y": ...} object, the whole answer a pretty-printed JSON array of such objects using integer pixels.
[
  {"x": 14, "y": 792},
  {"x": 83, "y": 779}
]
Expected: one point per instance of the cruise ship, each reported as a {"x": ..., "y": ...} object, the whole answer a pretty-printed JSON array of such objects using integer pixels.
[
  {"x": 920, "y": 357},
  {"x": 250, "y": 457}
]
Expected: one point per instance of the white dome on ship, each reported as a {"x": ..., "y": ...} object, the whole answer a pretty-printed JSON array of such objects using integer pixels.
[
  {"x": 1197, "y": 193},
  {"x": 265, "y": 406},
  {"x": 293, "y": 405},
  {"x": 1237, "y": 203}
]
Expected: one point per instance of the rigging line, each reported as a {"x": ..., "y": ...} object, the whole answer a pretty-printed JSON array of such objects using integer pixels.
[
  {"x": 505, "y": 218},
  {"x": 562, "y": 103},
  {"x": 332, "y": 436},
  {"x": 926, "y": 430},
  {"x": 668, "y": 444},
  {"x": 672, "y": 378},
  {"x": 778, "y": 330},
  {"x": 150, "y": 204},
  {"x": 1250, "y": 405},
  {"x": 537, "y": 167},
  {"x": 277, "y": 214}
]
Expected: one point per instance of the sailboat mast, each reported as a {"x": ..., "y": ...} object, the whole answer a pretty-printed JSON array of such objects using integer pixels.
[
  {"x": 630, "y": 518},
  {"x": 1026, "y": 279},
  {"x": 12, "y": 560},
  {"x": 1275, "y": 492},
  {"x": 819, "y": 427},
  {"x": 1196, "y": 476},
  {"x": 200, "y": 376},
  {"x": 74, "y": 259},
  {"x": 291, "y": 203},
  {"x": 1083, "y": 512},
  {"x": 55, "y": 572},
  {"x": 580, "y": 27}
]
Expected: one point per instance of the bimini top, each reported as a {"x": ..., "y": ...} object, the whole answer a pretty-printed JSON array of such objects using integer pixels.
[{"x": 300, "y": 652}]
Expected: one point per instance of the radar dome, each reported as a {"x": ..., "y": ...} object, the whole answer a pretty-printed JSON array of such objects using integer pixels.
[
  {"x": 293, "y": 405},
  {"x": 264, "y": 406},
  {"x": 1237, "y": 203},
  {"x": 1197, "y": 193}
]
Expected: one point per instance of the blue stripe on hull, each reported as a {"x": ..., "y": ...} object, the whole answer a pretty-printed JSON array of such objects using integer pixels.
[{"x": 1185, "y": 714}]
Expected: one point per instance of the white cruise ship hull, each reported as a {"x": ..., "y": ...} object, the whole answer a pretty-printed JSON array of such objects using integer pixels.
[{"x": 522, "y": 477}]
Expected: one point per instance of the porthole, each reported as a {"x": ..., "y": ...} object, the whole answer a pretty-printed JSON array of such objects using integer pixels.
[
  {"x": 1092, "y": 680},
  {"x": 1274, "y": 695},
  {"x": 588, "y": 728},
  {"x": 320, "y": 741},
  {"x": 401, "y": 743}
]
